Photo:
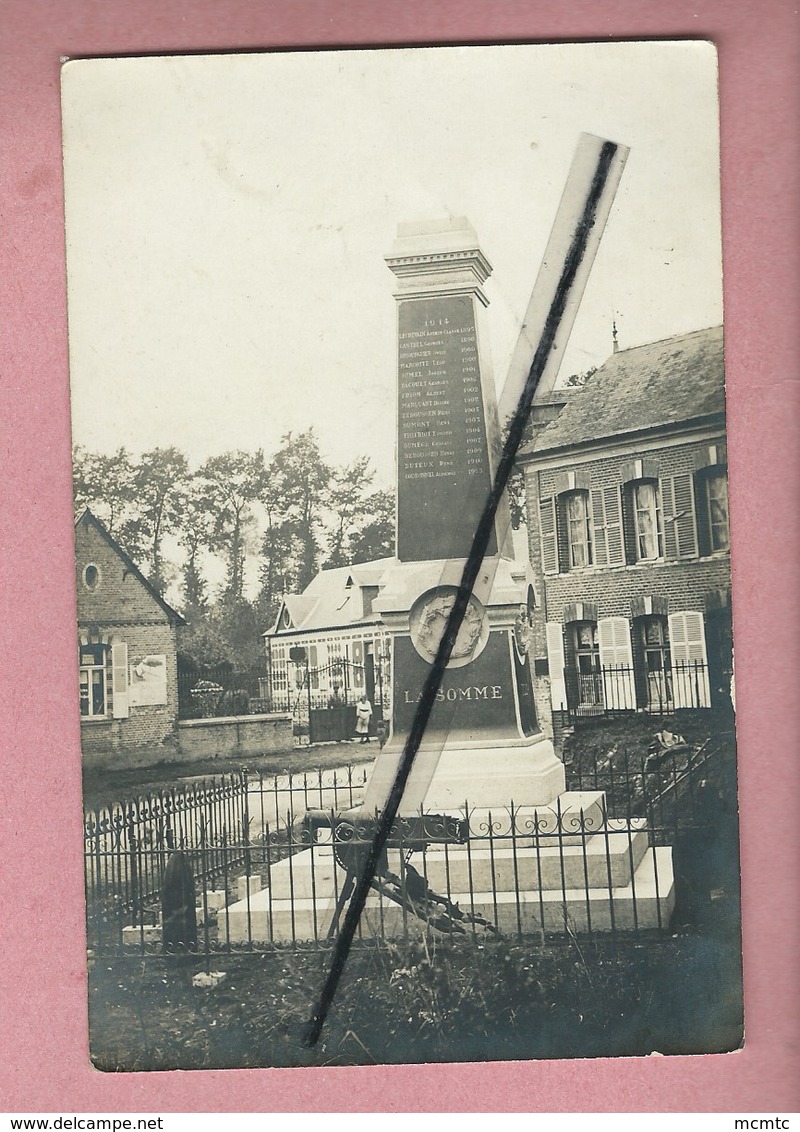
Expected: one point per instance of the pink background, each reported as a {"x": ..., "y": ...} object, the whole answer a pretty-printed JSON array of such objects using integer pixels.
[{"x": 43, "y": 1037}]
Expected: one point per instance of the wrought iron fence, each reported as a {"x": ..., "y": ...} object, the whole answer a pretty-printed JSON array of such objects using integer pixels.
[
  {"x": 218, "y": 690},
  {"x": 273, "y": 860},
  {"x": 620, "y": 688},
  {"x": 214, "y": 823}
]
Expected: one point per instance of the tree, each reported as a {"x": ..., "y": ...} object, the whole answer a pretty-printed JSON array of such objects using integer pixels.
[
  {"x": 373, "y": 535},
  {"x": 197, "y": 536},
  {"x": 580, "y": 379},
  {"x": 281, "y": 553},
  {"x": 346, "y": 499},
  {"x": 105, "y": 485},
  {"x": 233, "y": 482},
  {"x": 298, "y": 479},
  {"x": 160, "y": 482}
]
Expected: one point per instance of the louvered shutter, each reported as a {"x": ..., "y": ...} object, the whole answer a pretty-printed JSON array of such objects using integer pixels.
[
  {"x": 547, "y": 527},
  {"x": 119, "y": 681},
  {"x": 555, "y": 664},
  {"x": 685, "y": 523},
  {"x": 679, "y": 516},
  {"x": 613, "y": 510},
  {"x": 668, "y": 518},
  {"x": 616, "y": 662},
  {"x": 599, "y": 543},
  {"x": 609, "y": 549},
  {"x": 687, "y": 642}
]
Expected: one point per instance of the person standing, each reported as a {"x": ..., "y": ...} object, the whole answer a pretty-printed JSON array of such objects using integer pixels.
[{"x": 363, "y": 716}]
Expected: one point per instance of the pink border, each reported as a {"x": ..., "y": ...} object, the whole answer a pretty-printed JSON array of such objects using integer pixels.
[{"x": 42, "y": 967}]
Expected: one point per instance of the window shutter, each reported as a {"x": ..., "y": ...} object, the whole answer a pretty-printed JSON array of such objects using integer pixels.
[
  {"x": 549, "y": 535},
  {"x": 668, "y": 515},
  {"x": 599, "y": 527},
  {"x": 679, "y": 516},
  {"x": 607, "y": 526},
  {"x": 613, "y": 509},
  {"x": 687, "y": 642},
  {"x": 555, "y": 664},
  {"x": 701, "y": 514},
  {"x": 119, "y": 680},
  {"x": 616, "y": 662},
  {"x": 685, "y": 525}
]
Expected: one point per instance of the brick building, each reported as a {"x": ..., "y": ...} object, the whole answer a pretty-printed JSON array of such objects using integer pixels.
[
  {"x": 627, "y": 513},
  {"x": 127, "y": 649}
]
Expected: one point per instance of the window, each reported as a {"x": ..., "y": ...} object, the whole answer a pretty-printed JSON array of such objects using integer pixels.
[
  {"x": 646, "y": 508},
  {"x": 280, "y": 676},
  {"x": 93, "y": 684},
  {"x": 583, "y": 644},
  {"x": 716, "y": 483},
  {"x": 654, "y": 656},
  {"x": 576, "y": 515},
  {"x": 91, "y": 576}
]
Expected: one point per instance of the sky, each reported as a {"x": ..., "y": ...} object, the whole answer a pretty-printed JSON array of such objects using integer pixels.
[{"x": 228, "y": 217}]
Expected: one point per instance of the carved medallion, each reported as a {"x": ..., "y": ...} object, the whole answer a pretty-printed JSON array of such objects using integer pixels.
[{"x": 428, "y": 619}]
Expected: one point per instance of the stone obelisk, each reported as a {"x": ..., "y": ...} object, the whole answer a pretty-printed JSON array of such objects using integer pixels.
[{"x": 483, "y": 743}]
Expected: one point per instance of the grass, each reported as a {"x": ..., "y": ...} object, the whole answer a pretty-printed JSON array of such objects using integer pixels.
[{"x": 428, "y": 1001}]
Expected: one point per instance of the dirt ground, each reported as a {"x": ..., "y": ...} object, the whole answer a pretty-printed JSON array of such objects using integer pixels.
[{"x": 100, "y": 788}]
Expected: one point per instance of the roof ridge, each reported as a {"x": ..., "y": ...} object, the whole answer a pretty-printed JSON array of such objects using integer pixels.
[
  {"x": 660, "y": 341},
  {"x": 655, "y": 384}
]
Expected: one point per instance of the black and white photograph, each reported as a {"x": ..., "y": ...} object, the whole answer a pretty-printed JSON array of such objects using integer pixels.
[{"x": 404, "y": 617}]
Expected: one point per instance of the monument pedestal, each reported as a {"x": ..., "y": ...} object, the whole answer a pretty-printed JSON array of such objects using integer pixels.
[
  {"x": 482, "y": 744},
  {"x": 565, "y": 868},
  {"x": 526, "y": 773}
]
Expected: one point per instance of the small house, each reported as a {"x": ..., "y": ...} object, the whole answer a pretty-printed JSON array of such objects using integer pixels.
[{"x": 127, "y": 653}]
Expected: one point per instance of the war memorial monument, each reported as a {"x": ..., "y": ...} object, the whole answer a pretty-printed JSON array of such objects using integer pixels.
[{"x": 497, "y": 831}]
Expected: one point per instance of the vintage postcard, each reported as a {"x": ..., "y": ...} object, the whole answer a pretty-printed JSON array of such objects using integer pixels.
[{"x": 403, "y": 555}]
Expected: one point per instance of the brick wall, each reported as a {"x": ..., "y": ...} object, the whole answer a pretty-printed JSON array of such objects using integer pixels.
[
  {"x": 119, "y": 595},
  {"x": 120, "y": 608},
  {"x": 685, "y": 583}
]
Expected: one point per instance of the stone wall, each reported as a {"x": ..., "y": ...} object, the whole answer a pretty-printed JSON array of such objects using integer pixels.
[
  {"x": 194, "y": 740},
  {"x": 235, "y": 735}
]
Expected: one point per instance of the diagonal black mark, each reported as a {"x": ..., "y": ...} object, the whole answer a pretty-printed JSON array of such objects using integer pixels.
[{"x": 480, "y": 542}]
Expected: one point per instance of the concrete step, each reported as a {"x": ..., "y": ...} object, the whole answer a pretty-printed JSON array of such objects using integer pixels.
[
  {"x": 645, "y": 902},
  {"x": 602, "y": 859}
]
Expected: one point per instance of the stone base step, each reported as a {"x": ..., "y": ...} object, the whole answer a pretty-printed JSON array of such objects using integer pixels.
[
  {"x": 607, "y": 858},
  {"x": 645, "y": 902}
]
